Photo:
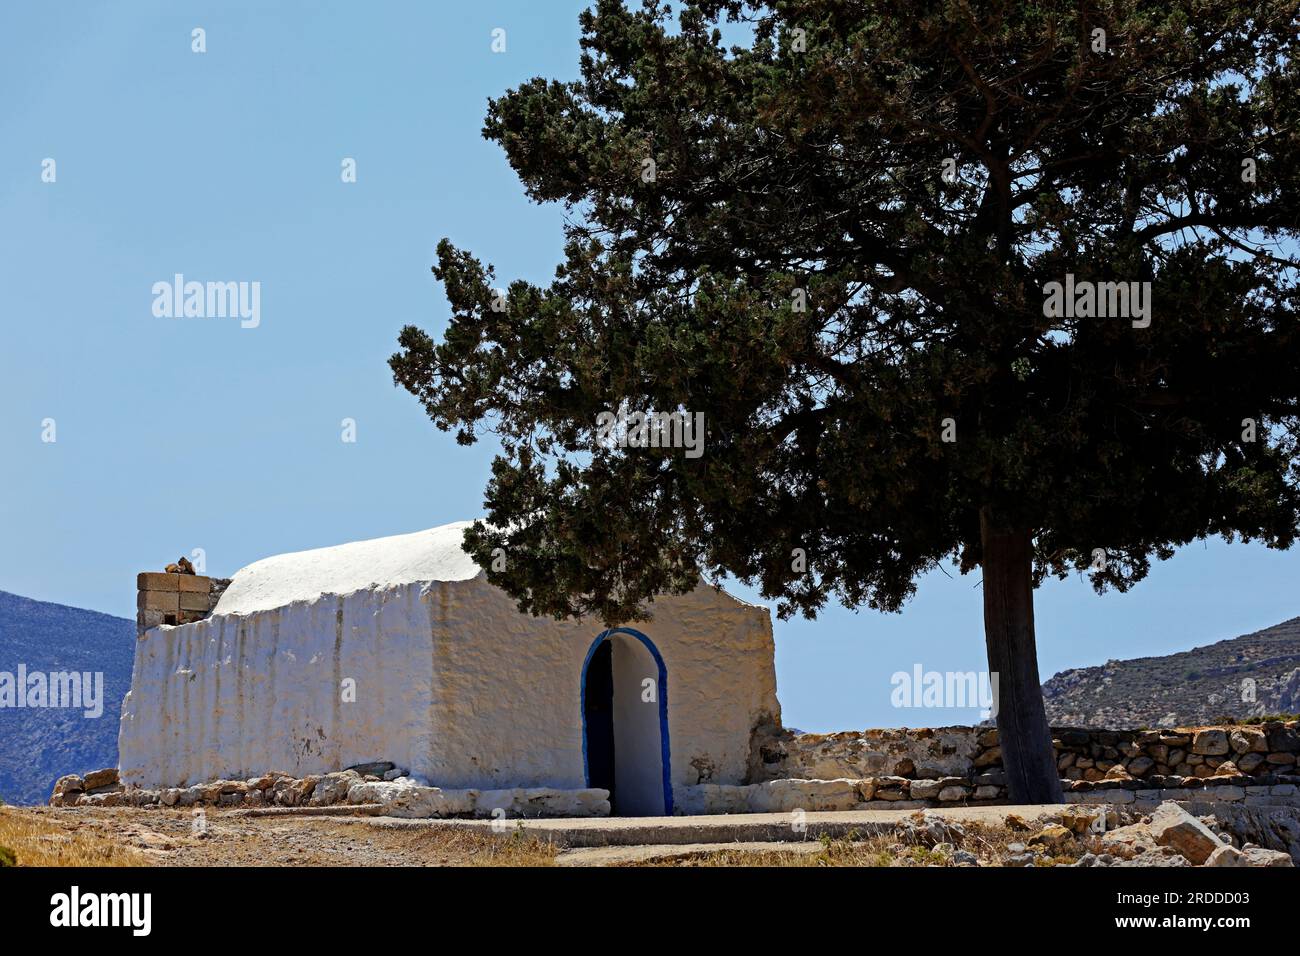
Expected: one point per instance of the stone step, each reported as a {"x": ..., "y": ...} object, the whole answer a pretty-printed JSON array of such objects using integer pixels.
[
  {"x": 659, "y": 852},
  {"x": 735, "y": 828}
]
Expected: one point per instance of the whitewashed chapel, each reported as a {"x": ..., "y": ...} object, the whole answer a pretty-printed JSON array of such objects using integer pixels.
[{"x": 399, "y": 649}]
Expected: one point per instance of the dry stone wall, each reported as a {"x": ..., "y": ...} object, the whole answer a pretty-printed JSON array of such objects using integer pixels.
[{"x": 912, "y": 768}]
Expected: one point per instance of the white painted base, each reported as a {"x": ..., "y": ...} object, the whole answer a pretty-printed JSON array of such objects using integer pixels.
[{"x": 406, "y": 799}]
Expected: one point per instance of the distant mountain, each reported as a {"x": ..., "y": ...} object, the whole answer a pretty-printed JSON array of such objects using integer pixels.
[
  {"x": 1247, "y": 676},
  {"x": 38, "y": 745}
]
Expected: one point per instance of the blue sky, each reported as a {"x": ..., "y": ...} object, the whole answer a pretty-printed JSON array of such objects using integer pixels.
[{"x": 177, "y": 434}]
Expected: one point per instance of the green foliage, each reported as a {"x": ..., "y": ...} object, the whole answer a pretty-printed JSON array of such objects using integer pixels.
[
  {"x": 779, "y": 169},
  {"x": 1266, "y": 718},
  {"x": 927, "y": 856},
  {"x": 8, "y": 857}
]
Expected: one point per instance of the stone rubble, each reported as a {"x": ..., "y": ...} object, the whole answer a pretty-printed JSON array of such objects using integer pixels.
[
  {"x": 1172, "y": 826},
  {"x": 1248, "y": 856},
  {"x": 1173, "y": 837},
  {"x": 182, "y": 566},
  {"x": 399, "y": 795},
  {"x": 928, "y": 829}
]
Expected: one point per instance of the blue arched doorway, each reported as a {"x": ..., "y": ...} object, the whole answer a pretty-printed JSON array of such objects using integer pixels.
[{"x": 624, "y": 726}]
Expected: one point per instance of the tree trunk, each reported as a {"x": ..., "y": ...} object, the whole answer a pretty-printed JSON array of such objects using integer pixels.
[{"x": 1023, "y": 735}]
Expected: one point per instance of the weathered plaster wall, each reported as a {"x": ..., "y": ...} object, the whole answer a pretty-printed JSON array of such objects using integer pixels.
[{"x": 450, "y": 681}]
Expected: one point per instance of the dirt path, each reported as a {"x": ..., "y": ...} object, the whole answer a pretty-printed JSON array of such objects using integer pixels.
[{"x": 144, "y": 837}]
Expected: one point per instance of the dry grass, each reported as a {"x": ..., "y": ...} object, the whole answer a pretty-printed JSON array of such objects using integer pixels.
[
  {"x": 37, "y": 841},
  {"x": 464, "y": 847},
  {"x": 322, "y": 841},
  {"x": 138, "y": 837},
  {"x": 988, "y": 843}
]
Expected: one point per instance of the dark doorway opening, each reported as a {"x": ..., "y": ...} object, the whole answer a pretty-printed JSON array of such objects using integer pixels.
[{"x": 599, "y": 718}]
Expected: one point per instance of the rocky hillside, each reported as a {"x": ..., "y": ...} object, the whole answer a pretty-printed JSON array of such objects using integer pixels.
[
  {"x": 40, "y": 744},
  {"x": 1247, "y": 676}
]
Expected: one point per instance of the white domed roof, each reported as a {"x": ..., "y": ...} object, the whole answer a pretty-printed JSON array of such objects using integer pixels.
[{"x": 433, "y": 555}]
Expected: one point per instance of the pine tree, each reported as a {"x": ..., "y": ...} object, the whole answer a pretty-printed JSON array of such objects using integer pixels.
[{"x": 1009, "y": 284}]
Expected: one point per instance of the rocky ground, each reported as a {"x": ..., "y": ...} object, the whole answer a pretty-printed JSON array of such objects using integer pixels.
[{"x": 129, "y": 836}]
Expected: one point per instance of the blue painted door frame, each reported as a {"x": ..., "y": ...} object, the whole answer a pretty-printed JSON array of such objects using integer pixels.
[{"x": 663, "y": 707}]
